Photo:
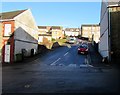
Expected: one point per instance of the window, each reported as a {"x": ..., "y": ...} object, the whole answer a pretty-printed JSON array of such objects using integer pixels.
[{"x": 7, "y": 30}]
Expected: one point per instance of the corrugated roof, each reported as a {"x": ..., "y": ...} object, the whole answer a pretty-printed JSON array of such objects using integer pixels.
[{"x": 10, "y": 15}]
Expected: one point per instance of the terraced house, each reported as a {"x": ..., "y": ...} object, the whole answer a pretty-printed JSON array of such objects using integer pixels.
[
  {"x": 19, "y": 35},
  {"x": 91, "y": 31},
  {"x": 44, "y": 34},
  {"x": 57, "y": 32},
  {"x": 72, "y": 31}
]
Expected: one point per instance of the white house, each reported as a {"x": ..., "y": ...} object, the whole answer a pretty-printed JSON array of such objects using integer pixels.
[{"x": 20, "y": 34}]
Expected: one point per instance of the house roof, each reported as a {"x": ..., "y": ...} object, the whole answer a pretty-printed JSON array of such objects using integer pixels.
[
  {"x": 10, "y": 15},
  {"x": 56, "y": 27},
  {"x": 72, "y": 29},
  {"x": 44, "y": 35},
  {"x": 89, "y": 25},
  {"x": 42, "y": 27}
]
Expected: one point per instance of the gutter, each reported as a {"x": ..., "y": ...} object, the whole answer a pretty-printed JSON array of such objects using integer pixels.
[{"x": 6, "y": 20}]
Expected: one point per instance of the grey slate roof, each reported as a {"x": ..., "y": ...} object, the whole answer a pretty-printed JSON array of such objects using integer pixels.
[{"x": 10, "y": 15}]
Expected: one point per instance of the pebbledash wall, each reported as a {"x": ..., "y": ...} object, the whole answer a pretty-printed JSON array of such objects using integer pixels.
[{"x": 24, "y": 35}]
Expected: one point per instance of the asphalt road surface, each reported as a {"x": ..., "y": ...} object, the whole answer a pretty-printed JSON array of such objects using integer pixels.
[{"x": 60, "y": 71}]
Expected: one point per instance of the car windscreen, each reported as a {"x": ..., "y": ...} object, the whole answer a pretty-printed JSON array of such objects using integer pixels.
[{"x": 83, "y": 47}]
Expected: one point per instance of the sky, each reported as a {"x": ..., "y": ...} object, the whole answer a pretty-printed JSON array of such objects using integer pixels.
[{"x": 66, "y": 14}]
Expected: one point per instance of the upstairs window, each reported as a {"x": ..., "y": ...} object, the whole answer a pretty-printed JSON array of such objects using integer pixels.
[{"x": 7, "y": 30}]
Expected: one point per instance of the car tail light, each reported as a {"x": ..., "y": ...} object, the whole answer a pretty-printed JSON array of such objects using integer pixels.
[
  {"x": 86, "y": 50},
  {"x": 78, "y": 48}
]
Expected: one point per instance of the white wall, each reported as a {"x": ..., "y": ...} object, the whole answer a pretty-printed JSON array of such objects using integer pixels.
[
  {"x": 103, "y": 44},
  {"x": 42, "y": 31},
  {"x": 19, "y": 45},
  {"x": 26, "y": 32}
]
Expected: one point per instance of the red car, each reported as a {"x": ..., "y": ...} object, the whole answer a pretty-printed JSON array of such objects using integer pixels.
[{"x": 83, "y": 49}]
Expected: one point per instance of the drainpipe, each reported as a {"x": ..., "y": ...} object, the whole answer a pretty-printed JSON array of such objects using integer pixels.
[{"x": 109, "y": 37}]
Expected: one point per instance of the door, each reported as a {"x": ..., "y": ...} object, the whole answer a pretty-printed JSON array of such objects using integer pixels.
[{"x": 7, "y": 53}]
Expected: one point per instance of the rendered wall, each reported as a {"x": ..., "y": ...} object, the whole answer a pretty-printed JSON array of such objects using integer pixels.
[
  {"x": 103, "y": 44},
  {"x": 26, "y": 33}
]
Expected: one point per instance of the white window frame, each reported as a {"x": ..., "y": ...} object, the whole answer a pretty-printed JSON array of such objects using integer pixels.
[{"x": 7, "y": 30}]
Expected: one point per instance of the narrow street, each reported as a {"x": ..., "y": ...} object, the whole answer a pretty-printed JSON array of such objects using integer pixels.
[{"x": 60, "y": 71}]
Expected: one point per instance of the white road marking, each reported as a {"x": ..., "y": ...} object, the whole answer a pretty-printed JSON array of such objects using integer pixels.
[
  {"x": 85, "y": 65},
  {"x": 66, "y": 53},
  {"x": 55, "y": 61}
]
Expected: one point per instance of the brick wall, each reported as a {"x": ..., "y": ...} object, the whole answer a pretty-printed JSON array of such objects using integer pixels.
[{"x": 0, "y": 42}]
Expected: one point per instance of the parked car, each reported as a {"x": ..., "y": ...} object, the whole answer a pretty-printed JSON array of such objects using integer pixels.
[
  {"x": 83, "y": 49},
  {"x": 72, "y": 40}
]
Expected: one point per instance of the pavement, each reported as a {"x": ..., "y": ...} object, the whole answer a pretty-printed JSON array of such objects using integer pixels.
[
  {"x": 27, "y": 60},
  {"x": 96, "y": 59}
]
